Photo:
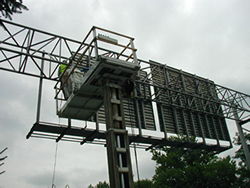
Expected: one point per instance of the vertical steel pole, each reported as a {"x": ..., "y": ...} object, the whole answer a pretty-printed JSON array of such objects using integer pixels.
[
  {"x": 95, "y": 42},
  {"x": 136, "y": 102},
  {"x": 242, "y": 138},
  {"x": 40, "y": 91},
  {"x": 118, "y": 151},
  {"x": 133, "y": 51}
]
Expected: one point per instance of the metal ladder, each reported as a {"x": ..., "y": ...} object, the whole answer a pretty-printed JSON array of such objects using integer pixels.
[{"x": 119, "y": 161}]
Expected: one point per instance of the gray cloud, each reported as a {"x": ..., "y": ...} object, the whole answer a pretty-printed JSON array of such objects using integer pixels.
[{"x": 207, "y": 38}]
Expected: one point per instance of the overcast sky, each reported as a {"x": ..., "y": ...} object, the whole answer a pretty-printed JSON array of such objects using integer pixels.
[{"x": 209, "y": 38}]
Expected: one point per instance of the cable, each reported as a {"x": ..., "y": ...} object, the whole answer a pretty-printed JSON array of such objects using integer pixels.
[
  {"x": 54, "y": 170},
  {"x": 137, "y": 166}
]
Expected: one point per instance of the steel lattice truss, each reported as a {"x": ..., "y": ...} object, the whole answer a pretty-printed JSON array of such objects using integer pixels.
[{"x": 23, "y": 49}]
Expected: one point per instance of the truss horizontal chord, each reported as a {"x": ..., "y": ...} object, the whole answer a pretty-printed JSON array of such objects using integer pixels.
[{"x": 51, "y": 131}]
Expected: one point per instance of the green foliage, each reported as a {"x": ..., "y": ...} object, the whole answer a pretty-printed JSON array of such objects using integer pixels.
[
  {"x": 8, "y": 7},
  {"x": 2, "y": 159},
  {"x": 243, "y": 171},
  {"x": 178, "y": 167},
  {"x": 144, "y": 184},
  {"x": 100, "y": 185},
  {"x": 240, "y": 153}
]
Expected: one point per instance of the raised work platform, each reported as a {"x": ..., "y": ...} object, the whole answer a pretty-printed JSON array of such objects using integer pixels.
[{"x": 83, "y": 103}]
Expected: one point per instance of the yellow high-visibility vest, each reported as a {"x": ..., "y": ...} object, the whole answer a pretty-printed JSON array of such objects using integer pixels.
[{"x": 62, "y": 68}]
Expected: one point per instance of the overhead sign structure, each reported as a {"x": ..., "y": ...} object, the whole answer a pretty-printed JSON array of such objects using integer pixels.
[
  {"x": 110, "y": 85},
  {"x": 24, "y": 48},
  {"x": 186, "y": 104}
]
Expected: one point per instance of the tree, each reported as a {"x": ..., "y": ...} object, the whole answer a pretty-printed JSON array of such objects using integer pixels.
[
  {"x": 243, "y": 171},
  {"x": 100, "y": 185},
  {"x": 178, "y": 167},
  {"x": 2, "y": 159},
  {"x": 9, "y": 7},
  {"x": 144, "y": 184},
  {"x": 183, "y": 167}
]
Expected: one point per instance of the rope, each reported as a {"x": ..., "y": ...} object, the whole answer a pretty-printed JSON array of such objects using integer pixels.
[
  {"x": 54, "y": 170},
  {"x": 137, "y": 167}
]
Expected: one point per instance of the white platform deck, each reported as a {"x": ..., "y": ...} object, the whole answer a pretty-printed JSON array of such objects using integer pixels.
[{"x": 89, "y": 98}]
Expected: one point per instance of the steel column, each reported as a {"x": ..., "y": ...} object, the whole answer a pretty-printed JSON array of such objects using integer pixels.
[
  {"x": 119, "y": 161},
  {"x": 40, "y": 91}
]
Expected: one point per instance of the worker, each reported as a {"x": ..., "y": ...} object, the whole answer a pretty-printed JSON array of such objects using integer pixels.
[
  {"x": 62, "y": 68},
  {"x": 63, "y": 75},
  {"x": 71, "y": 78}
]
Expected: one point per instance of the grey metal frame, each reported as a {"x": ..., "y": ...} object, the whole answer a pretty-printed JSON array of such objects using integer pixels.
[
  {"x": 23, "y": 49},
  {"x": 183, "y": 100}
]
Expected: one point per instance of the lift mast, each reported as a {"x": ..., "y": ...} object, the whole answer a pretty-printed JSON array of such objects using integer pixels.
[{"x": 119, "y": 161}]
